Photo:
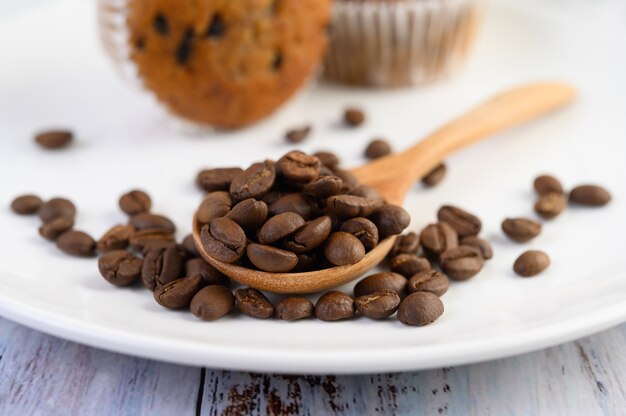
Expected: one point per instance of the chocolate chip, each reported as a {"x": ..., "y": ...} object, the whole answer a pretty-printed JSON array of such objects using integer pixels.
[
  {"x": 160, "y": 24},
  {"x": 216, "y": 28},
  {"x": 277, "y": 62},
  {"x": 183, "y": 51},
  {"x": 26, "y": 204}
]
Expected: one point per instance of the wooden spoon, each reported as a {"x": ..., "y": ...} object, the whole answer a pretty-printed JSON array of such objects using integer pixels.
[{"x": 393, "y": 175}]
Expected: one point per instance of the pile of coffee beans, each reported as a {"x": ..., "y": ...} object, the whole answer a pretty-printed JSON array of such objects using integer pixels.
[{"x": 296, "y": 214}]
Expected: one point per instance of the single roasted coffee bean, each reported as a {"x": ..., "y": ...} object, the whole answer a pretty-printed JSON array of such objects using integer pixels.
[
  {"x": 547, "y": 184},
  {"x": 214, "y": 205},
  {"x": 368, "y": 193},
  {"x": 145, "y": 240},
  {"x": 26, "y": 204},
  {"x": 161, "y": 267},
  {"x": 439, "y": 237},
  {"x": 378, "y": 305},
  {"x": 76, "y": 243},
  {"x": 279, "y": 227},
  {"x": 328, "y": 159},
  {"x": 461, "y": 263},
  {"x": 363, "y": 229},
  {"x": 117, "y": 238},
  {"x": 294, "y": 308},
  {"x": 271, "y": 259},
  {"x": 189, "y": 247},
  {"x": 253, "y": 182},
  {"x": 435, "y": 176},
  {"x": 223, "y": 240},
  {"x": 408, "y": 243},
  {"x": 531, "y": 263},
  {"x": 212, "y": 302},
  {"x": 312, "y": 260},
  {"x": 147, "y": 221},
  {"x": 480, "y": 244},
  {"x": 135, "y": 202},
  {"x": 353, "y": 117},
  {"x": 297, "y": 203},
  {"x": 409, "y": 264},
  {"x": 178, "y": 293},
  {"x": 298, "y": 135},
  {"x": 54, "y": 139},
  {"x": 464, "y": 223},
  {"x": 218, "y": 179},
  {"x": 419, "y": 309},
  {"x": 120, "y": 267},
  {"x": 343, "y": 248},
  {"x": 334, "y": 306},
  {"x": 299, "y": 167},
  {"x": 377, "y": 148},
  {"x": 390, "y": 220},
  {"x": 209, "y": 274},
  {"x": 381, "y": 281},
  {"x": 310, "y": 236},
  {"x": 272, "y": 196},
  {"x": 253, "y": 303},
  {"x": 324, "y": 186},
  {"x": 431, "y": 281},
  {"x": 56, "y": 207},
  {"x": 350, "y": 206},
  {"x": 52, "y": 229},
  {"x": 550, "y": 205},
  {"x": 521, "y": 229},
  {"x": 590, "y": 195},
  {"x": 348, "y": 179},
  {"x": 250, "y": 214}
]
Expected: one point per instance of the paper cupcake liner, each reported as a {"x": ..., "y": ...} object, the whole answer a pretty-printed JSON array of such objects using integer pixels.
[{"x": 399, "y": 43}]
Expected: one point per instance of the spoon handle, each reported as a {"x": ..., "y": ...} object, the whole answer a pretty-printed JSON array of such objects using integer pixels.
[{"x": 393, "y": 175}]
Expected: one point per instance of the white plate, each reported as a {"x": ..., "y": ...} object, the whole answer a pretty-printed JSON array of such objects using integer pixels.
[{"x": 53, "y": 73}]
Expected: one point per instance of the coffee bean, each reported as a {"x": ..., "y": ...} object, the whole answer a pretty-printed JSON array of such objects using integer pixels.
[
  {"x": 349, "y": 181},
  {"x": 334, "y": 306},
  {"x": 208, "y": 273},
  {"x": 463, "y": 222},
  {"x": 435, "y": 176},
  {"x": 250, "y": 214},
  {"x": 420, "y": 308},
  {"x": 390, "y": 220},
  {"x": 531, "y": 263},
  {"x": 377, "y": 148},
  {"x": 368, "y": 193},
  {"x": 297, "y": 203},
  {"x": 271, "y": 259},
  {"x": 135, "y": 202},
  {"x": 550, "y": 205},
  {"x": 279, "y": 227},
  {"x": 272, "y": 196},
  {"x": 145, "y": 240},
  {"x": 353, "y": 117},
  {"x": 147, "y": 221},
  {"x": 310, "y": 236},
  {"x": 324, "y": 186},
  {"x": 56, "y": 207},
  {"x": 294, "y": 308},
  {"x": 52, "y": 229},
  {"x": 178, "y": 293},
  {"x": 120, "y": 267},
  {"x": 253, "y": 303},
  {"x": 521, "y": 229},
  {"x": 431, "y": 281},
  {"x": 483, "y": 246},
  {"x": 409, "y": 264},
  {"x": 253, "y": 182},
  {"x": 461, "y": 263},
  {"x": 212, "y": 302},
  {"x": 299, "y": 167},
  {"x": 223, "y": 240},
  {"x": 350, "y": 206},
  {"x": 214, "y": 205},
  {"x": 298, "y": 135},
  {"x": 590, "y": 195},
  {"x": 26, "y": 204},
  {"x": 76, "y": 243},
  {"x": 54, "y": 139},
  {"x": 161, "y": 267},
  {"x": 217, "y": 179},
  {"x": 378, "y": 305},
  {"x": 439, "y": 237},
  {"x": 189, "y": 247},
  {"x": 328, "y": 159},
  {"x": 343, "y": 248},
  {"x": 312, "y": 260},
  {"x": 408, "y": 243},
  {"x": 363, "y": 229},
  {"x": 547, "y": 184},
  {"x": 117, "y": 238},
  {"x": 381, "y": 281}
]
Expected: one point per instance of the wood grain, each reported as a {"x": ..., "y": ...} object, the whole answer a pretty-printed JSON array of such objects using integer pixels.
[{"x": 44, "y": 375}]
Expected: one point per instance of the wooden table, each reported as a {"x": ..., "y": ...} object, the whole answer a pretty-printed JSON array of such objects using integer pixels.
[{"x": 44, "y": 375}]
